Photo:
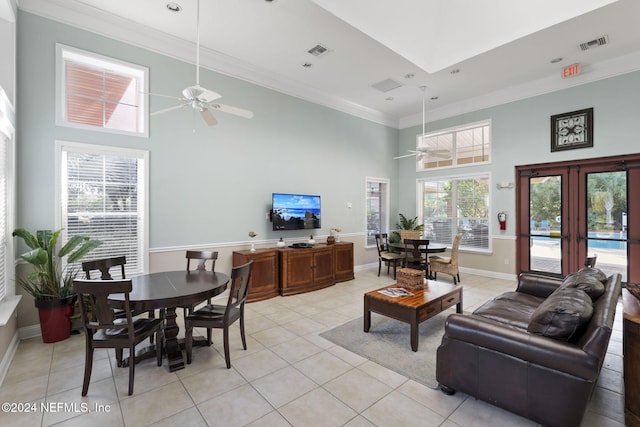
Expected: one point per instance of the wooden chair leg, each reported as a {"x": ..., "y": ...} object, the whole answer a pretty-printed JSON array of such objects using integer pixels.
[
  {"x": 159, "y": 346},
  {"x": 88, "y": 366},
  {"x": 225, "y": 336},
  {"x": 132, "y": 368},
  {"x": 209, "y": 338},
  {"x": 244, "y": 340},
  {"x": 119, "y": 357},
  {"x": 379, "y": 266}
]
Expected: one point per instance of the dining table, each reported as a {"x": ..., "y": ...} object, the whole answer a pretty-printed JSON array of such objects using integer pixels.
[
  {"x": 431, "y": 248},
  {"x": 166, "y": 291}
]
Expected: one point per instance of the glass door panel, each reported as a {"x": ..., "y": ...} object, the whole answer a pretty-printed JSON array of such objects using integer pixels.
[
  {"x": 545, "y": 225},
  {"x": 606, "y": 215}
]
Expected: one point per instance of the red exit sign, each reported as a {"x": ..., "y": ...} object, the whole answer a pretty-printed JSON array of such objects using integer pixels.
[{"x": 570, "y": 71}]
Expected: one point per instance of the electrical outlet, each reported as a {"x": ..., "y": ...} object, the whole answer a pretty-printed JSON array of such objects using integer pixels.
[{"x": 506, "y": 261}]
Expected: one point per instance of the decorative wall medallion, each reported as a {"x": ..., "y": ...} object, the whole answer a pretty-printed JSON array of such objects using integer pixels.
[{"x": 572, "y": 130}]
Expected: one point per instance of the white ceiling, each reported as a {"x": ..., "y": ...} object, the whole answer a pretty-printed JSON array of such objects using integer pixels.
[{"x": 501, "y": 48}]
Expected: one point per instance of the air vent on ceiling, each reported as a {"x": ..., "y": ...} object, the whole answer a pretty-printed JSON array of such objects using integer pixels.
[
  {"x": 600, "y": 41},
  {"x": 319, "y": 50},
  {"x": 387, "y": 85}
]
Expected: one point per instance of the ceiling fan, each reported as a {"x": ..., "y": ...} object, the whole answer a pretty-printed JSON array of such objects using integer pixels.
[
  {"x": 199, "y": 98},
  {"x": 422, "y": 151}
]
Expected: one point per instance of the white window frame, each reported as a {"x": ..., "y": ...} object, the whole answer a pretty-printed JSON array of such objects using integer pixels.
[
  {"x": 60, "y": 192},
  {"x": 8, "y": 300},
  {"x": 107, "y": 63},
  {"x": 420, "y": 205},
  {"x": 452, "y": 130},
  {"x": 384, "y": 222}
]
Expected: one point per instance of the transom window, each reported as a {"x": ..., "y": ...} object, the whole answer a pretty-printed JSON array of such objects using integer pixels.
[
  {"x": 459, "y": 146},
  {"x": 103, "y": 195},
  {"x": 100, "y": 93},
  {"x": 458, "y": 205}
]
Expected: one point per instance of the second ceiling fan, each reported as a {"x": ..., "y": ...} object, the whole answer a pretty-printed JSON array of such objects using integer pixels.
[{"x": 199, "y": 98}]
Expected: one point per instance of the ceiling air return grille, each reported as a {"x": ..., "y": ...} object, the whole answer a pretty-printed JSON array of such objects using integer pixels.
[
  {"x": 386, "y": 85},
  {"x": 319, "y": 50},
  {"x": 600, "y": 41}
]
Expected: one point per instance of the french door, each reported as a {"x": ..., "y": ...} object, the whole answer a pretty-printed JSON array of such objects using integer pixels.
[{"x": 567, "y": 211}]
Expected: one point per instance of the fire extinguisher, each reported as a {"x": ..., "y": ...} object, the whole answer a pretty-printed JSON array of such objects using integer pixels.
[{"x": 502, "y": 219}]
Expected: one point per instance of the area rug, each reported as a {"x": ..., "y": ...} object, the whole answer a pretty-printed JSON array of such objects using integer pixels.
[{"x": 388, "y": 343}]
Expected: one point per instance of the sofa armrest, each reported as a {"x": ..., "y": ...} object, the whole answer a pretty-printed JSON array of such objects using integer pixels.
[
  {"x": 537, "y": 284},
  {"x": 547, "y": 352}
]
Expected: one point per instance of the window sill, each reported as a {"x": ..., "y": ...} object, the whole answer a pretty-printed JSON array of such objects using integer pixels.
[{"x": 7, "y": 308}]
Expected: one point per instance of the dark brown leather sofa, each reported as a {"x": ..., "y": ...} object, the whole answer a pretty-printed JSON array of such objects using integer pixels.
[{"x": 521, "y": 352}]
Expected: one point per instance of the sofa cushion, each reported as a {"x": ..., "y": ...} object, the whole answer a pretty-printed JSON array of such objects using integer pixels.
[
  {"x": 585, "y": 281},
  {"x": 511, "y": 308},
  {"x": 562, "y": 314}
]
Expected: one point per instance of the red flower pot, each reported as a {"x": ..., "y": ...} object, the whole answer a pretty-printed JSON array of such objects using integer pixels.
[{"x": 54, "y": 318}]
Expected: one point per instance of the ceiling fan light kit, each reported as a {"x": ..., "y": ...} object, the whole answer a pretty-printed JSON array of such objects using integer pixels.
[{"x": 199, "y": 98}]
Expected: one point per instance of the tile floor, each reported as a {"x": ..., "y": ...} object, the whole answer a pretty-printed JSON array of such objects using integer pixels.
[{"x": 289, "y": 376}]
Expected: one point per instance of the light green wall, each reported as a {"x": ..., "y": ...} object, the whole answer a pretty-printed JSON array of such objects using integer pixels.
[{"x": 208, "y": 185}]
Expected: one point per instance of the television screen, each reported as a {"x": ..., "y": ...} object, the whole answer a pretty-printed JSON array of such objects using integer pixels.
[{"x": 295, "y": 211}]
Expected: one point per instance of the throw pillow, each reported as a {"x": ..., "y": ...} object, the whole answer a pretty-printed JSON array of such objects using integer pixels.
[
  {"x": 585, "y": 282},
  {"x": 562, "y": 314},
  {"x": 595, "y": 272}
]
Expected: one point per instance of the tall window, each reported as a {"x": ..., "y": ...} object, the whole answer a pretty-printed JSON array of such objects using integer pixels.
[
  {"x": 377, "y": 208},
  {"x": 6, "y": 137},
  {"x": 464, "y": 145},
  {"x": 457, "y": 205},
  {"x": 100, "y": 93},
  {"x": 103, "y": 194}
]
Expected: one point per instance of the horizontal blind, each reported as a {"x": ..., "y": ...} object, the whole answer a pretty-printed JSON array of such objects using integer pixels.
[
  {"x": 104, "y": 200},
  {"x": 3, "y": 215}
]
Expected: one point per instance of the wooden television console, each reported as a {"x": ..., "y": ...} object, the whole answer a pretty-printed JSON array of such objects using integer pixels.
[{"x": 289, "y": 271}]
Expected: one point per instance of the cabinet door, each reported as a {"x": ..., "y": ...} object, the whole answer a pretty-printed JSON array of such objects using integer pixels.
[
  {"x": 323, "y": 271},
  {"x": 264, "y": 282},
  {"x": 344, "y": 261},
  {"x": 297, "y": 269}
]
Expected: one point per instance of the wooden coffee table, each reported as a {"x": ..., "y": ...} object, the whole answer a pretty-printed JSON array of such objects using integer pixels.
[{"x": 423, "y": 304}]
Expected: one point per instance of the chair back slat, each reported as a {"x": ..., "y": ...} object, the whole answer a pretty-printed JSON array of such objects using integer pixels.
[
  {"x": 103, "y": 266},
  {"x": 202, "y": 257},
  {"x": 97, "y": 295},
  {"x": 239, "y": 290}
]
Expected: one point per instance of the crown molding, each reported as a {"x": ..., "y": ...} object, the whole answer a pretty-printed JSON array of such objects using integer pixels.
[
  {"x": 591, "y": 73},
  {"x": 96, "y": 21}
]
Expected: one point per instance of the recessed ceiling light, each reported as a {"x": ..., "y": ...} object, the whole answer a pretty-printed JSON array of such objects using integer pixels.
[
  {"x": 174, "y": 7},
  {"x": 270, "y": 1},
  {"x": 433, "y": 98},
  {"x": 455, "y": 71},
  {"x": 556, "y": 60},
  {"x": 307, "y": 64},
  {"x": 409, "y": 76},
  {"x": 389, "y": 98}
]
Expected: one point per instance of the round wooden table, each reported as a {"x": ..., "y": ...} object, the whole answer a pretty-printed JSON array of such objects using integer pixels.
[{"x": 168, "y": 290}]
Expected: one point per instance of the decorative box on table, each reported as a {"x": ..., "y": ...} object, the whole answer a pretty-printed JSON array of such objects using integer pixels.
[{"x": 410, "y": 278}]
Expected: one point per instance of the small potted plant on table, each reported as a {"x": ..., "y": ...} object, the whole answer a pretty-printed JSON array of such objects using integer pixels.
[{"x": 50, "y": 284}]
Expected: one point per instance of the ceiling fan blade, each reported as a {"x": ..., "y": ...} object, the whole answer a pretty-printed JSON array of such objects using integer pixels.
[
  {"x": 162, "y": 95},
  {"x": 233, "y": 110},
  {"x": 402, "y": 157},
  {"x": 208, "y": 117},
  {"x": 175, "y": 107}
]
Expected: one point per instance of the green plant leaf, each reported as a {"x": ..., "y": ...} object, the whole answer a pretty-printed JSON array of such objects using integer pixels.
[
  {"x": 38, "y": 256},
  {"x": 87, "y": 247},
  {"x": 71, "y": 245},
  {"x": 28, "y": 238}
]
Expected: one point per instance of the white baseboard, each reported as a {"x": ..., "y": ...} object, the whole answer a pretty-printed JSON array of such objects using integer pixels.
[
  {"x": 32, "y": 331},
  {"x": 8, "y": 356},
  {"x": 486, "y": 273}
]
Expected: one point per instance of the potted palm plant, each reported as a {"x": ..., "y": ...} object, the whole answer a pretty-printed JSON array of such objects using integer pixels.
[
  {"x": 51, "y": 283},
  {"x": 405, "y": 224}
]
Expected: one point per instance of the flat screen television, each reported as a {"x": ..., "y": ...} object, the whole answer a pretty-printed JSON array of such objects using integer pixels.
[{"x": 295, "y": 211}]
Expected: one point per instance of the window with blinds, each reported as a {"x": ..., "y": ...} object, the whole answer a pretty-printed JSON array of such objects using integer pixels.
[
  {"x": 4, "y": 142},
  {"x": 104, "y": 196},
  {"x": 101, "y": 93}
]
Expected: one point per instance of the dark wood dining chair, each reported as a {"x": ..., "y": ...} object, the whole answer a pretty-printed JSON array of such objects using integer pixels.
[
  {"x": 415, "y": 256},
  {"x": 590, "y": 261},
  {"x": 202, "y": 257},
  {"x": 107, "y": 331},
  {"x": 222, "y": 316},
  {"x": 385, "y": 255},
  {"x": 103, "y": 266}
]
